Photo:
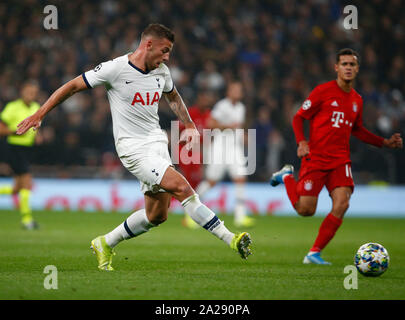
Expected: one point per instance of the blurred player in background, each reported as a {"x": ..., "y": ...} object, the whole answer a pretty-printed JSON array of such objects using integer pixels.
[
  {"x": 194, "y": 171},
  {"x": 334, "y": 111},
  {"x": 135, "y": 83},
  {"x": 19, "y": 148},
  {"x": 227, "y": 115}
]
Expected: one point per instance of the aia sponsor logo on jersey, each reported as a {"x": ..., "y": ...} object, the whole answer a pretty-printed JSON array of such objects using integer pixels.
[{"x": 147, "y": 99}]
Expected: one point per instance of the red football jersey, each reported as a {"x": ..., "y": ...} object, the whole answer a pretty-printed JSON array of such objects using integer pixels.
[
  {"x": 193, "y": 172},
  {"x": 200, "y": 120},
  {"x": 333, "y": 115}
]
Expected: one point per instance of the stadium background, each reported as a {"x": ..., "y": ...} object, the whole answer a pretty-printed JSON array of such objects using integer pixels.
[{"x": 280, "y": 50}]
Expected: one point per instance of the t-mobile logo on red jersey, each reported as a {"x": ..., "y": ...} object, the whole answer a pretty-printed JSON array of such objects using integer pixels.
[{"x": 337, "y": 117}]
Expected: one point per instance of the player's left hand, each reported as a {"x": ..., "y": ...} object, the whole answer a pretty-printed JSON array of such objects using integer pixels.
[
  {"x": 190, "y": 136},
  {"x": 33, "y": 122},
  {"x": 394, "y": 142}
]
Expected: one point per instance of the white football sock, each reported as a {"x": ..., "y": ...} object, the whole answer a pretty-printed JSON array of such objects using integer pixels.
[
  {"x": 136, "y": 224},
  {"x": 202, "y": 215},
  {"x": 203, "y": 188},
  {"x": 240, "y": 208}
]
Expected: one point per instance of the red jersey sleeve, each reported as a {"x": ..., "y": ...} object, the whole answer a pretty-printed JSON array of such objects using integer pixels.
[
  {"x": 312, "y": 104},
  {"x": 298, "y": 127},
  {"x": 308, "y": 109},
  {"x": 361, "y": 133}
]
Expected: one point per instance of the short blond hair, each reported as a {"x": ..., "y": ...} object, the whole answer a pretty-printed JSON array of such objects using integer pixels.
[{"x": 159, "y": 31}]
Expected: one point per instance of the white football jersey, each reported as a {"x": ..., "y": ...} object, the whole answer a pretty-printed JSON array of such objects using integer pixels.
[
  {"x": 227, "y": 113},
  {"x": 134, "y": 99}
]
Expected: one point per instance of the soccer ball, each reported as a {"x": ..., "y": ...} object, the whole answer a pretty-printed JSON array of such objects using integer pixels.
[{"x": 372, "y": 259}]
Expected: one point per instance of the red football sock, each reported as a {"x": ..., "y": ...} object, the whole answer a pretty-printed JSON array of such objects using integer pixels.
[
  {"x": 291, "y": 187},
  {"x": 326, "y": 232}
]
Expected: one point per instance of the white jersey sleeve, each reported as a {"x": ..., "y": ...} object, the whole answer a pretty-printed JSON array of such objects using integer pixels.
[
  {"x": 169, "y": 85},
  {"x": 102, "y": 74}
]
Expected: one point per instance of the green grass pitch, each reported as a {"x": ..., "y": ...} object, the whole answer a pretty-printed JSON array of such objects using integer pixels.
[{"x": 174, "y": 263}]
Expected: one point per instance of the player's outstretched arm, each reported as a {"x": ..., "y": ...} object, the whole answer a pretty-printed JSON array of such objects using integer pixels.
[
  {"x": 298, "y": 128},
  {"x": 176, "y": 103},
  {"x": 68, "y": 89},
  {"x": 394, "y": 142},
  {"x": 190, "y": 135}
]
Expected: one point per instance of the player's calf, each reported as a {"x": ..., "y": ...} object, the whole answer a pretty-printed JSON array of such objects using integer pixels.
[
  {"x": 157, "y": 217},
  {"x": 340, "y": 209},
  {"x": 340, "y": 201}
]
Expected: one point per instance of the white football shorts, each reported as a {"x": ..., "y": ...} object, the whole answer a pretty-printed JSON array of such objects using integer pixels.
[
  {"x": 148, "y": 163},
  {"x": 222, "y": 160}
]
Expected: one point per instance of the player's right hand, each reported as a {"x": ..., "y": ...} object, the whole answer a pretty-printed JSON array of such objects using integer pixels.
[
  {"x": 33, "y": 121},
  {"x": 394, "y": 142},
  {"x": 303, "y": 149},
  {"x": 191, "y": 137}
]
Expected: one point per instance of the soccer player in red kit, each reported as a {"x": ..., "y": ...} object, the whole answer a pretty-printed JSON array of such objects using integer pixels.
[
  {"x": 199, "y": 113},
  {"x": 193, "y": 171},
  {"x": 334, "y": 111}
]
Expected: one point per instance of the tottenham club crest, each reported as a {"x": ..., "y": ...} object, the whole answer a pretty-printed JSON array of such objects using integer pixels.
[
  {"x": 354, "y": 107},
  {"x": 97, "y": 68},
  {"x": 308, "y": 185},
  {"x": 306, "y": 105}
]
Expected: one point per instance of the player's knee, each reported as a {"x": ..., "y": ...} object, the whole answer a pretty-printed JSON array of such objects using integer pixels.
[
  {"x": 341, "y": 207},
  {"x": 183, "y": 191},
  {"x": 305, "y": 211}
]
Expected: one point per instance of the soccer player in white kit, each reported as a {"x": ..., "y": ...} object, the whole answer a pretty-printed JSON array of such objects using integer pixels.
[
  {"x": 135, "y": 83},
  {"x": 227, "y": 150}
]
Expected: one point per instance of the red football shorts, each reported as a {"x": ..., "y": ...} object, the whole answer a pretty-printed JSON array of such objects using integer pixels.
[{"x": 312, "y": 179}]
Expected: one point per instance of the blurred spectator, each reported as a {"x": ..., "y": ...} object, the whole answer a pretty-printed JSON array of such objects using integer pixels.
[
  {"x": 264, "y": 128},
  {"x": 209, "y": 78}
]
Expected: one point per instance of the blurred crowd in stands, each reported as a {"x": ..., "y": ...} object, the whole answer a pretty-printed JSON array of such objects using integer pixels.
[{"x": 279, "y": 49}]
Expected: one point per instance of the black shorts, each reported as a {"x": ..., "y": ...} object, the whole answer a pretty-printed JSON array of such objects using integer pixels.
[{"x": 18, "y": 157}]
